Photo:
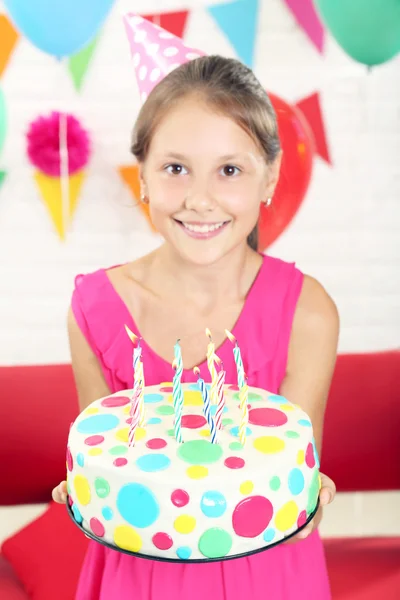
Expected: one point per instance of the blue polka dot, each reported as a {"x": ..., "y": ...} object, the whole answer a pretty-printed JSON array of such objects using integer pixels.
[
  {"x": 153, "y": 462},
  {"x": 213, "y": 504},
  {"x": 296, "y": 481},
  {"x": 137, "y": 505},
  {"x": 214, "y": 409},
  {"x": 315, "y": 453},
  {"x": 195, "y": 387},
  {"x": 235, "y": 431},
  {"x": 269, "y": 534},
  {"x": 80, "y": 459},
  {"x": 304, "y": 422},
  {"x": 152, "y": 398},
  {"x": 107, "y": 513},
  {"x": 154, "y": 421},
  {"x": 184, "y": 552},
  {"x": 277, "y": 398},
  {"x": 98, "y": 424},
  {"x": 77, "y": 514}
]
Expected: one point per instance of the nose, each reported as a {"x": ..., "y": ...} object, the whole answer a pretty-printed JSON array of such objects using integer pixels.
[{"x": 199, "y": 199}]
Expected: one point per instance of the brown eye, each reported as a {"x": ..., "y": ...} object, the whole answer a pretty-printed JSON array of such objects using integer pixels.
[
  {"x": 230, "y": 170},
  {"x": 175, "y": 169}
]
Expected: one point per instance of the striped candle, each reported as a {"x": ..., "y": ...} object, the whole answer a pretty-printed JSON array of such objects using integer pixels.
[
  {"x": 138, "y": 374},
  {"x": 135, "y": 415},
  {"x": 243, "y": 398},
  {"x": 206, "y": 406},
  {"x": 141, "y": 392},
  {"x": 221, "y": 398},
  {"x": 177, "y": 392},
  {"x": 238, "y": 359},
  {"x": 212, "y": 369}
]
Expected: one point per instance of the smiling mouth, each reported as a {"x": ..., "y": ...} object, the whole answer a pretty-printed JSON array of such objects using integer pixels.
[{"x": 202, "y": 230}]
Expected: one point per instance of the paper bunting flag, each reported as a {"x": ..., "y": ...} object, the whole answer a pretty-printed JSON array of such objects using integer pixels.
[
  {"x": 130, "y": 175},
  {"x": 78, "y": 63},
  {"x": 311, "y": 109},
  {"x": 8, "y": 39},
  {"x": 51, "y": 192},
  {"x": 174, "y": 22},
  {"x": 2, "y": 177},
  {"x": 238, "y": 20},
  {"x": 308, "y": 19}
]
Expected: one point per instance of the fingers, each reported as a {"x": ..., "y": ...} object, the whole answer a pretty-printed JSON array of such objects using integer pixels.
[
  {"x": 328, "y": 491},
  {"x": 59, "y": 494}
]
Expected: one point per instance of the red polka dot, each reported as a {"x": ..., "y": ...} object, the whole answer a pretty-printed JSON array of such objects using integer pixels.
[
  {"x": 167, "y": 390},
  {"x": 180, "y": 498},
  {"x": 234, "y": 462},
  {"x": 97, "y": 527},
  {"x": 234, "y": 388},
  {"x": 310, "y": 458},
  {"x": 93, "y": 440},
  {"x": 251, "y": 516},
  {"x": 302, "y": 518},
  {"x": 193, "y": 421},
  {"x": 162, "y": 541},
  {"x": 267, "y": 417},
  {"x": 120, "y": 462},
  {"x": 70, "y": 462},
  {"x": 129, "y": 421},
  {"x": 156, "y": 443},
  {"x": 114, "y": 401},
  {"x": 70, "y": 501}
]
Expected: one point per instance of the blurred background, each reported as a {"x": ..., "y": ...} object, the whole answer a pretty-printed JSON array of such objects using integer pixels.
[{"x": 338, "y": 217}]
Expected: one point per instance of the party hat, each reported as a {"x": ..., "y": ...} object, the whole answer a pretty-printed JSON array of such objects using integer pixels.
[{"x": 155, "y": 51}]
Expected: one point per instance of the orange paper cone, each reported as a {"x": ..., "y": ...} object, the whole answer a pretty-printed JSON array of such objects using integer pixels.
[
  {"x": 50, "y": 189},
  {"x": 130, "y": 175},
  {"x": 8, "y": 39}
]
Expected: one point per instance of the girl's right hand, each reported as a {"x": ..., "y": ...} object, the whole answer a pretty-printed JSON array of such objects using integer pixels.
[{"x": 59, "y": 493}]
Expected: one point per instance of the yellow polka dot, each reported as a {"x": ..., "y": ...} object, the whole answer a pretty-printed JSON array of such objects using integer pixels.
[
  {"x": 82, "y": 489},
  {"x": 91, "y": 411},
  {"x": 166, "y": 384},
  {"x": 190, "y": 398},
  {"x": 204, "y": 432},
  {"x": 286, "y": 516},
  {"x": 123, "y": 434},
  {"x": 246, "y": 487},
  {"x": 127, "y": 538},
  {"x": 300, "y": 457},
  {"x": 269, "y": 444},
  {"x": 127, "y": 409},
  {"x": 95, "y": 451},
  {"x": 286, "y": 407},
  {"x": 319, "y": 482},
  {"x": 197, "y": 472},
  {"x": 184, "y": 524}
]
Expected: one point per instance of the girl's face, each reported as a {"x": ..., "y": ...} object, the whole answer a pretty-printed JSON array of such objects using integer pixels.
[{"x": 205, "y": 178}]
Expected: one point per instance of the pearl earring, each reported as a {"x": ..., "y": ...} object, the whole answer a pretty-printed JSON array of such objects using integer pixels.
[
  {"x": 268, "y": 202},
  {"x": 144, "y": 199}
]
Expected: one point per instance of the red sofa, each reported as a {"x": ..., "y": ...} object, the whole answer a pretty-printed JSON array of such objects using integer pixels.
[{"x": 361, "y": 452}]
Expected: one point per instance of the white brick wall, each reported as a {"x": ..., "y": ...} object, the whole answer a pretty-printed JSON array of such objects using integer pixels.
[{"x": 346, "y": 234}]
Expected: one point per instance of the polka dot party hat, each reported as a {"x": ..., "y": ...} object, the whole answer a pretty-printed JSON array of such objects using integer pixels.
[{"x": 155, "y": 52}]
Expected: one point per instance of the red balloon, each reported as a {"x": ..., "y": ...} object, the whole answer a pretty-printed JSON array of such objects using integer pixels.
[{"x": 298, "y": 149}]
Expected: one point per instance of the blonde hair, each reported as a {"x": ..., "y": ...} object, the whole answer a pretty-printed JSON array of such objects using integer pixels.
[{"x": 228, "y": 87}]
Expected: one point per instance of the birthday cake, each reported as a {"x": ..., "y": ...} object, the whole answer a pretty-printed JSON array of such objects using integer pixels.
[{"x": 197, "y": 499}]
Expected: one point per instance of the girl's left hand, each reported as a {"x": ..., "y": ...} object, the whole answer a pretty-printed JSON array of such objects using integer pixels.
[{"x": 326, "y": 496}]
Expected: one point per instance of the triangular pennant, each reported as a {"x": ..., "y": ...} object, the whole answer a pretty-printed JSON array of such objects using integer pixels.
[
  {"x": 2, "y": 177},
  {"x": 308, "y": 19},
  {"x": 78, "y": 63},
  {"x": 174, "y": 22},
  {"x": 50, "y": 188},
  {"x": 311, "y": 109},
  {"x": 238, "y": 20},
  {"x": 130, "y": 175},
  {"x": 8, "y": 39}
]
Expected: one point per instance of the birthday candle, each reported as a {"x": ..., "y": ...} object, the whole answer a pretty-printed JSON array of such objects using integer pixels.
[
  {"x": 211, "y": 367},
  {"x": 243, "y": 397},
  {"x": 238, "y": 359},
  {"x": 138, "y": 374},
  {"x": 206, "y": 405},
  {"x": 221, "y": 398},
  {"x": 141, "y": 392},
  {"x": 135, "y": 415},
  {"x": 177, "y": 392}
]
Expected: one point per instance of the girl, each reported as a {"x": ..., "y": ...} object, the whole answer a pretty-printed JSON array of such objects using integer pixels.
[{"x": 207, "y": 143}]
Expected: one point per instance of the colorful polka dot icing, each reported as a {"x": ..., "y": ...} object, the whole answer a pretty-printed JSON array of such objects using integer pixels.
[{"x": 195, "y": 500}]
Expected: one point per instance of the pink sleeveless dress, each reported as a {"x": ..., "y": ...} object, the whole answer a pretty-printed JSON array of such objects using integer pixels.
[{"x": 287, "y": 572}]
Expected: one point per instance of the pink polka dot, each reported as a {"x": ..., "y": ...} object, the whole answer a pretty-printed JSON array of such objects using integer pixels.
[
  {"x": 248, "y": 406},
  {"x": 234, "y": 462},
  {"x": 251, "y": 516},
  {"x": 302, "y": 518},
  {"x": 193, "y": 421},
  {"x": 167, "y": 390},
  {"x": 94, "y": 440},
  {"x": 120, "y": 461},
  {"x": 129, "y": 421},
  {"x": 114, "y": 401},
  {"x": 234, "y": 388},
  {"x": 70, "y": 462},
  {"x": 70, "y": 501},
  {"x": 267, "y": 417},
  {"x": 162, "y": 541},
  {"x": 310, "y": 458},
  {"x": 97, "y": 527},
  {"x": 180, "y": 498},
  {"x": 156, "y": 443}
]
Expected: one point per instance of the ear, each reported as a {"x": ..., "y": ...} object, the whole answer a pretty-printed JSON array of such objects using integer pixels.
[
  {"x": 142, "y": 179},
  {"x": 273, "y": 170}
]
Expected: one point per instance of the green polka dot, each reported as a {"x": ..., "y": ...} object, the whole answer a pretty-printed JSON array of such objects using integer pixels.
[
  {"x": 165, "y": 410},
  {"x": 118, "y": 450},
  {"x": 292, "y": 434},
  {"x": 313, "y": 493},
  {"x": 275, "y": 483},
  {"x": 227, "y": 421},
  {"x": 171, "y": 432},
  {"x": 252, "y": 397},
  {"x": 215, "y": 543},
  {"x": 102, "y": 487},
  {"x": 68, "y": 488},
  {"x": 235, "y": 446},
  {"x": 199, "y": 452}
]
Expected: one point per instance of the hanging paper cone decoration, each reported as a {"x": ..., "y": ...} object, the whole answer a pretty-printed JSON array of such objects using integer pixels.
[
  {"x": 130, "y": 175},
  {"x": 307, "y": 17},
  {"x": 78, "y": 64},
  {"x": 155, "y": 52},
  {"x": 8, "y": 39},
  {"x": 51, "y": 192},
  {"x": 174, "y": 22},
  {"x": 311, "y": 109}
]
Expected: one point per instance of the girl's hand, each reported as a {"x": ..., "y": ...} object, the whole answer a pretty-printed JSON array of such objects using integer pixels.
[
  {"x": 59, "y": 493},
  {"x": 326, "y": 496}
]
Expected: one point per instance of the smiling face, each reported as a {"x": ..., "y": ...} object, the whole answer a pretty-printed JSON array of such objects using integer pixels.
[{"x": 205, "y": 178}]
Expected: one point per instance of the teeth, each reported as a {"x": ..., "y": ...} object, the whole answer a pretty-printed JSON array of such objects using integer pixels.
[{"x": 202, "y": 228}]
